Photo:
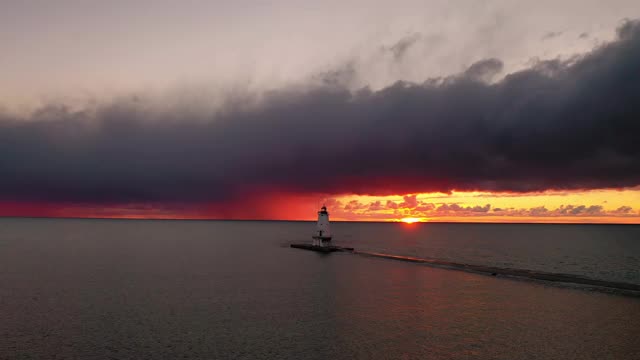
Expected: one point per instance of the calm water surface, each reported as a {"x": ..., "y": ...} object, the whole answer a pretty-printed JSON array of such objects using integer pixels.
[{"x": 96, "y": 289}]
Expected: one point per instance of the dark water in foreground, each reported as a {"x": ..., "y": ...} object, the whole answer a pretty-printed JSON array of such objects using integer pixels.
[{"x": 96, "y": 289}]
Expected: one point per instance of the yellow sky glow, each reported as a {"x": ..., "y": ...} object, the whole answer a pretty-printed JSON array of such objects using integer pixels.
[{"x": 593, "y": 206}]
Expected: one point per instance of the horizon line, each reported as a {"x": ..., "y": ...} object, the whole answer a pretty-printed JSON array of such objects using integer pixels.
[{"x": 311, "y": 221}]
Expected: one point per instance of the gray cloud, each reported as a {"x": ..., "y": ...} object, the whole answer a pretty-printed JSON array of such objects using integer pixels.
[
  {"x": 355, "y": 205},
  {"x": 552, "y": 34},
  {"x": 410, "y": 201},
  {"x": 400, "y": 48},
  {"x": 391, "y": 205},
  {"x": 455, "y": 208},
  {"x": 556, "y": 125},
  {"x": 623, "y": 210},
  {"x": 123, "y": 45},
  {"x": 376, "y": 206},
  {"x": 565, "y": 210}
]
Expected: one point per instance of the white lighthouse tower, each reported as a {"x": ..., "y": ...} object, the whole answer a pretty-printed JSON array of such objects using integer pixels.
[{"x": 322, "y": 235}]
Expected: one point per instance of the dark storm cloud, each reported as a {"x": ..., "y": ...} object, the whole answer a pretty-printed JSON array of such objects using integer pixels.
[
  {"x": 484, "y": 70},
  {"x": 557, "y": 125}
]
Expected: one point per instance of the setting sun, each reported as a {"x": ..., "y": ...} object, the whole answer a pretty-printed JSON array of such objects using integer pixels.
[{"x": 411, "y": 220}]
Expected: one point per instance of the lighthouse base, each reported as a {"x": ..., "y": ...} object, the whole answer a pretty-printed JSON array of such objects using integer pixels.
[{"x": 322, "y": 249}]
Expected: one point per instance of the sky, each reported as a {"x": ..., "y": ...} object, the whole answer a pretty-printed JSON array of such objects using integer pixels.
[{"x": 482, "y": 111}]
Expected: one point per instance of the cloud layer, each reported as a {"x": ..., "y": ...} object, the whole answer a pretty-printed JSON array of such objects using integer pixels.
[
  {"x": 411, "y": 207},
  {"x": 560, "y": 124}
]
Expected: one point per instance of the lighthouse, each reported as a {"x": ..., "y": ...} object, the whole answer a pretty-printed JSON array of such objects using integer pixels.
[{"x": 322, "y": 235}]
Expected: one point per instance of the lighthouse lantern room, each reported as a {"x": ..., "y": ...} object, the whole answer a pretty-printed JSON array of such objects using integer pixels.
[{"x": 322, "y": 235}]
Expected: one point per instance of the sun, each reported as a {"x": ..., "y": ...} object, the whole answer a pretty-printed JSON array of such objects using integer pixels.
[{"x": 410, "y": 220}]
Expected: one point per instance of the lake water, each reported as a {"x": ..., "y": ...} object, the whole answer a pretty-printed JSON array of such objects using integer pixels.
[{"x": 96, "y": 289}]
